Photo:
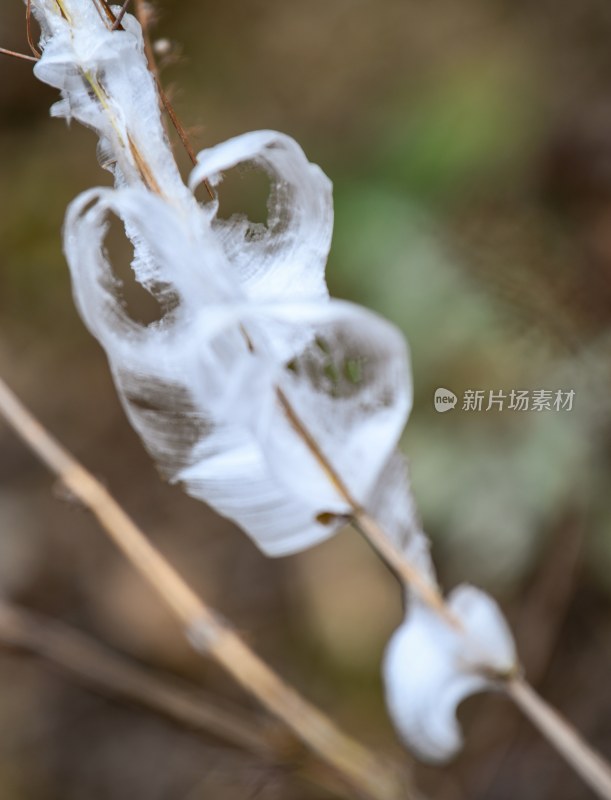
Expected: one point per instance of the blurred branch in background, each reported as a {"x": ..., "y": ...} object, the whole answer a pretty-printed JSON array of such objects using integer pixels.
[
  {"x": 368, "y": 775},
  {"x": 116, "y": 676}
]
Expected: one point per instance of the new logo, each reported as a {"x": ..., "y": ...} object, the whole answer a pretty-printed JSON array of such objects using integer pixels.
[{"x": 444, "y": 400}]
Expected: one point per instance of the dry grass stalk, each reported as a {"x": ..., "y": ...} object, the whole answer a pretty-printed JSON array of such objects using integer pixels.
[
  {"x": 367, "y": 775},
  {"x": 96, "y": 665}
]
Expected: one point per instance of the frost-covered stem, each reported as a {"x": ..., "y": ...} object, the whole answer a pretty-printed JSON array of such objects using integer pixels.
[
  {"x": 407, "y": 572},
  {"x": 142, "y": 15},
  {"x": 207, "y": 632},
  {"x": 382, "y": 543},
  {"x": 184, "y": 250},
  {"x": 594, "y": 770}
]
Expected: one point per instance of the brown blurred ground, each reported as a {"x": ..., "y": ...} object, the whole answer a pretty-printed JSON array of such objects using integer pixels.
[{"x": 470, "y": 148}]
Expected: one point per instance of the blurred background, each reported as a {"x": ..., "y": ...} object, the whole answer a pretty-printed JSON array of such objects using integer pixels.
[{"x": 470, "y": 149}]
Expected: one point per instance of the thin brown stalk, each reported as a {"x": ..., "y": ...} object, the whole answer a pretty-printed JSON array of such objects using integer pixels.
[
  {"x": 117, "y": 23},
  {"x": 575, "y": 750},
  {"x": 594, "y": 770},
  {"x": 165, "y": 101},
  {"x": 114, "y": 675},
  {"x": 23, "y": 56},
  {"x": 180, "y": 130},
  {"x": 81, "y": 656},
  {"x": 109, "y": 13},
  {"x": 411, "y": 576},
  {"x": 367, "y": 775},
  {"x": 407, "y": 573},
  {"x": 28, "y": 29},
  {"x": 143, "y": 168},
  {"x": 143, "y": 18}
]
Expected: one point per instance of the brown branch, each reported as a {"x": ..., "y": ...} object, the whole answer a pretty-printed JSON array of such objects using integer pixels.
[
  {"x": 594, "y": 770},
  {"x": 96, "y": 665},
  {"x": 143, "y": 19},
  {"x": 111, "y": 674},
  {"x": 5, "y": 52},
  {"x": 408, "y": 574},
  {"x": 539, "y": 620},
  {"x": 367, "y": 775},
  {"x": 109, "y": 14},
  {"x": 117, "y": 23},
  {"x": 586, "y": 762},
  {"x": 28, "y": 29}
]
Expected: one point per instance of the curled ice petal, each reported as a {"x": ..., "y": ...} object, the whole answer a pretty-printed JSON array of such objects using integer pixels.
[
  {"x": 430, "y": 666},
  {"x": 348, "y": 387},
  {"x": 155, "y": 370},
  {"x": 248, "y": 341},
  {"x": 176, "y": 260},
  {"x": 284, "y": 259},
  {"x": 280, "y": 408},
  {"x": 201, "y": 385}
]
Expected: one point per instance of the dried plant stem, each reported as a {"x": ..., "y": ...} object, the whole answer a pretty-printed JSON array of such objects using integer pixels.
[
  {"x": 28, "y": 29},
  {"x": 143, "y": 18},
  {"x": 114, "y": 24},
  {"x": 587, "y": 763},
  {"x": 408, "y": 574},
  {"x": 117, "y": 23},
  {"x": 12, "y": 53},
  {"x": 111, "y": 674},
  {"x": 142, "y": 14},
  {"x": 366, "y": 774},
  {"x": 91, "y": 662},
  {"x": 594, "y": 770}
]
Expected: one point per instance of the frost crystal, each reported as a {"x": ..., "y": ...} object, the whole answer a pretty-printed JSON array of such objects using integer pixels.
[
  {"x": 431, "y": 666},
  {"x": 277, "y": 405},
  {"x": 251, "y": 361}
]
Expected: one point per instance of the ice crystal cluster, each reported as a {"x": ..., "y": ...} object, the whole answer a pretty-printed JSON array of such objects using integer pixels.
[{"x": 262, "y": 396}]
